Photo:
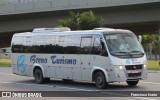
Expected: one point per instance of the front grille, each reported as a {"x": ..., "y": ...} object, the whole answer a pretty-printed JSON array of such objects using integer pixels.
[
  {"x": 133, "y": 67},
  {"x": 134, "y": 74}
]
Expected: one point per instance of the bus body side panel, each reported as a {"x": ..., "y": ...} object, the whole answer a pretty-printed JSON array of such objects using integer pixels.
[
  {"x": 101, "y": 63},
  {"x": 86, "y": 67},
  {"x": 67, "y": 66},
  {"x": 52, "y": 65},
  {"x": 21, "y": 64}
]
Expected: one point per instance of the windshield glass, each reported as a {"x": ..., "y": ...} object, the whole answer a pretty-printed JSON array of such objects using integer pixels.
[{"x": 124, "y": 45}]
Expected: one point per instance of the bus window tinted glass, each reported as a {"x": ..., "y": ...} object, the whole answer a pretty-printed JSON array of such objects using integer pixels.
[
  {"x": 17, "y": 45},
  {"x": 86, "y": 45},
  {"x": 99, "y": 46},
  {"x": 73, "y": 44},
  {"x": 61, "y": 47},
  {"x": 50, "y": 44}
]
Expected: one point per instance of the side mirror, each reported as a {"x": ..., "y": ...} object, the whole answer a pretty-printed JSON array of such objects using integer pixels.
[{"x": 140, "y": 39}]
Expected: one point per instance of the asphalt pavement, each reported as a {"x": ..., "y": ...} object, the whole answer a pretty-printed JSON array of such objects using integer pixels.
[{"x": 67, "y": 90}]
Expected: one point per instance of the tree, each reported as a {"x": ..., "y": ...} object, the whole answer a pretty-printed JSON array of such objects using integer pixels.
[
  {"x": 83, "y": 21},
  {"x": 89, "y": 21},
  {"x": 72, "y": 22},
  {"x": 156, "y": 45},
  {"x": 147, "y": 44},
  {"x": 150, "y": 42}
]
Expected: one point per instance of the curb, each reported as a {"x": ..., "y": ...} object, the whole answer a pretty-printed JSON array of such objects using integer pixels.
[{"x": 153, "y": 71}]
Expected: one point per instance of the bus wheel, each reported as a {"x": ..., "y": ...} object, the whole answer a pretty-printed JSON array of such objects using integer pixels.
[
  {"x": 100, "y": 80},
  {"x": 132, "y": 83},
  {"x": 38, "y": 75}
]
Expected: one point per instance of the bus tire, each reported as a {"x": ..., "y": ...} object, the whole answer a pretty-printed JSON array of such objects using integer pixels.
[
  {"x": 100, "y": 80},
  {"x": 38, "y": 75},
  {"x": 132, "y": 83}
]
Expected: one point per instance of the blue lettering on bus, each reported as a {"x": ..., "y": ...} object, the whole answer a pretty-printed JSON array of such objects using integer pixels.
[
  {"x": 55, "y": 60},
  {"x": 52, "y": 58},
  {"x": 34, "y": 59}
]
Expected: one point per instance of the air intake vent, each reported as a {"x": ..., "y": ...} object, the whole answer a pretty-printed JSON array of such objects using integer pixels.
[{"x": 38, "y": 30}]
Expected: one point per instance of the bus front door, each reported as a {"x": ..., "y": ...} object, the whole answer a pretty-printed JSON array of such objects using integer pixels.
[{"x": 86, "y": 43}]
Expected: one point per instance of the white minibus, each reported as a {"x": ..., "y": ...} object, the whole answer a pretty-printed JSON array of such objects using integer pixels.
[{"x": 101, "y": 55}]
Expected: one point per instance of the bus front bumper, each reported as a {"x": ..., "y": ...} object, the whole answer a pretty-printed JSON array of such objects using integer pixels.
[{"x": 124, "y": 75}]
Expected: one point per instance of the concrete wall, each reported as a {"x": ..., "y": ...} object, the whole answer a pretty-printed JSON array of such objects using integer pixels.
[
  {"x": 28, "y": 6},
  {"x": 114, "y": 16}
]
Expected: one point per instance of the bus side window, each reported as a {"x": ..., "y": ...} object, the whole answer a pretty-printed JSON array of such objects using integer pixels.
[
  {"x": 99, "y": 47},
  {"x": 103, "y": 51},
  {"x": 61, "y": 47},
  {"x": 17, "y": 45},
  {"x": 86, "y": 44},
  {"x": 73, "y": 44}
]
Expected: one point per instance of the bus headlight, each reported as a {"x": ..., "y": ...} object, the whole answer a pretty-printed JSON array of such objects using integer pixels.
[
  {"x": 145, "y": 66},
  {"x": 120, "y": 67}
]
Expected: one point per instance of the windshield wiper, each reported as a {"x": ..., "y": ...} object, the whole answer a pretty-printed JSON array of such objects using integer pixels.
[
  {"x": 137, "y": 52},
  {"x": 128, "y": 53}
]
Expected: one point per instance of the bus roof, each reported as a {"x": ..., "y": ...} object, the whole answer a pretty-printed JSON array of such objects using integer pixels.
[{"x": 94, "y": 31}]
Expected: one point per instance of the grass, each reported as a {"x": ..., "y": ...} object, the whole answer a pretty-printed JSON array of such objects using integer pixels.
[
  {"x": 153, "y": 65},
  {"x": 2, "y": 4},
  {"x": 5, "y": 62}
]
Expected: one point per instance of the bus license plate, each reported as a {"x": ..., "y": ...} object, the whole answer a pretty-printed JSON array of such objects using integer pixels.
[{"x": 135, "y": 71}]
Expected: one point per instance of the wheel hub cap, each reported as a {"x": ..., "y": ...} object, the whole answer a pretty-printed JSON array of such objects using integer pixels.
[{"x": 99, "y": 80}]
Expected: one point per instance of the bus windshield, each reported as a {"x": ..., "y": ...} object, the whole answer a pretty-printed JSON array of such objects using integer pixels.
[{"x": 124, "y": 45}]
